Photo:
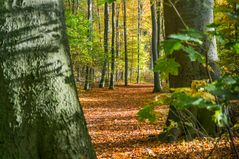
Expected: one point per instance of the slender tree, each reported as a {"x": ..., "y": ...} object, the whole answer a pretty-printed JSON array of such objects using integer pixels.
[
  {"x": 117, "y": 40},
  {"x": 87, "y": 78},
  {"x": 111, "y": 86},
  {"x": 90, "y": 38},
  {"x": 40, "y": 114},
  {"x": 106, "y": 32},
  {"x": 139, "y": 39},
  {"x": 99, "y": 19},
  {"x": 158, "y": 26},
  {"x": 157, "y": 87},
  {"x": 125, "y": 46}
]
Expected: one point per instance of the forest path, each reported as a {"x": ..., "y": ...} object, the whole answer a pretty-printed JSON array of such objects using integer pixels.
[
  {"x": 116, "y": 133},
  {"x": 112, "y": 122}
]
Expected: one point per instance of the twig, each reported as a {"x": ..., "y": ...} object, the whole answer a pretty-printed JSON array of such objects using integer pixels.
[{"x": 177, "y": 12}]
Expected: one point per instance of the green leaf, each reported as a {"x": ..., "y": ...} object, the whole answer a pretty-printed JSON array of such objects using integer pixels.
[
  {"x": 193, "y": 54},
  {"x": 185, "y": 37},
  {"x": 167, "y": 66},
  {"x": 236, "y": 48},
  {"x": 171, "y": 45},
  {"x": 147, "y": 113}
]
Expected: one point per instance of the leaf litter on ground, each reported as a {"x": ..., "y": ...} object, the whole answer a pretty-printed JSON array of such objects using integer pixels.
[{"x": 117, "y": 134}]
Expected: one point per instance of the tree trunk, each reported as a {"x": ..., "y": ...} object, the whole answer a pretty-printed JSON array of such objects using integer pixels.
[
  {"x": 112, "y": 49},
  {"x": 126, "y": 71},
  {"x": 202, "y": 13},
  {"x": 87, "y": 78},
  {"x": 158, "y": 27},
  {"x": 99, "y": 21},
  {"x": 78, "y": 71},
  {"x": 40, "y": 114},
  {"x": 90, "y": 39},
  {"x": 139, "y": 39},
  {"x": 154, "y": 44},
  {"x": 117, "y": 49},
  {"x": 92, "y": 75},
  {"x": 106, "y": 32}
]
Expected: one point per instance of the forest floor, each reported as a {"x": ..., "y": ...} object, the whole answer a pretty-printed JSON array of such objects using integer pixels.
[{"x": 116, "y": 133}]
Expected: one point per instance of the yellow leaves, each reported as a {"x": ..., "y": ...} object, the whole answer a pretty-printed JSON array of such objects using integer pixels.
[
  {"x": 197, "y": 84},
  {"x": 196, "y": 90},
  {"x": 206, "y": 96},
  {"x": 221, "y": 2}
]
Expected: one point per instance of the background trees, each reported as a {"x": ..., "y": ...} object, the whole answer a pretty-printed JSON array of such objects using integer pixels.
[{"x": 131, "y": 57}]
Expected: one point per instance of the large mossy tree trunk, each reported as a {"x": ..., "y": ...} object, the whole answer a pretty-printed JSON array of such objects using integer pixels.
[
  {"x": 196, "y": 14},
  {"x": 40, "y": 115}
]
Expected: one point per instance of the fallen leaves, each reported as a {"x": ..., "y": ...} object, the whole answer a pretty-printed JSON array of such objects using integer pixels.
[{"x": 116, "y": 133}]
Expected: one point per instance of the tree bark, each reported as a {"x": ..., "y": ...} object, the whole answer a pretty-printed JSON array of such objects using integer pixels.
[
  {"x": 87, "y": 78},
  {"x": 106, "y": 32},
  {"x": 40, "y": 114},
  {"x": 90, "y": 39},
  {"x": 139, "y": 39},
  {"x": 99, "y": 21},
  {"x": 202, "y": 13},
  {"x": 154, "y": 44},
  {"x": 126, "y": 71},
  {"x": 117, "y": 48},
  {"x": 112, "y": 49}
]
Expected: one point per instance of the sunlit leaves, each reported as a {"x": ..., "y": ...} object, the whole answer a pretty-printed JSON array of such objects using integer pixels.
[{"x": 78, "y": 34}]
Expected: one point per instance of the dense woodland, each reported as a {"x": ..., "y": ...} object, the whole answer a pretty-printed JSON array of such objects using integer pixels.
[{"x": 119, "y": 79}]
